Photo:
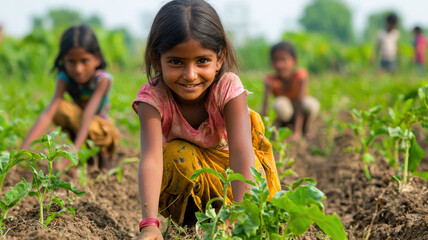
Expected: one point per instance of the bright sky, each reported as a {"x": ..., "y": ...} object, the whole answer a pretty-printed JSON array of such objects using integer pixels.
[{"x": 268, "y": 17}]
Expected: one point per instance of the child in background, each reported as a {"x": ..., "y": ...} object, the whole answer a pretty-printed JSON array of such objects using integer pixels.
[
  {"x": 193, "y": 113},
  {"x": 289, "y": 86},
  {"x": 387, "y": 44},
  {"x": 80, "y": 65},
  {"x": 419, "y": 45}
]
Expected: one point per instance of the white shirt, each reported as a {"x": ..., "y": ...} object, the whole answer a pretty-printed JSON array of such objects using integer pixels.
[{"x": 387, "y": 43}]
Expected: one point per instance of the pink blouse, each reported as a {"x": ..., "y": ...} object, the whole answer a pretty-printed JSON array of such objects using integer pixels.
[{"x": 212, "y": 132}]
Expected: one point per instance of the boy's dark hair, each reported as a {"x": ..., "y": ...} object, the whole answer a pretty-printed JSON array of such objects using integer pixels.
[
  {"x": 285, "y": 46},
  {"x": 417, "y": 29},
  {"x": 78, "y": 36},
  {"x": 391, "y": 18},
  {"x": 179, "y": 20}
]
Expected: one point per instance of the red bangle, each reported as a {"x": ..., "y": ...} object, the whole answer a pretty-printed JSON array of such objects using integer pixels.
[{"x": 149, "y": 222}]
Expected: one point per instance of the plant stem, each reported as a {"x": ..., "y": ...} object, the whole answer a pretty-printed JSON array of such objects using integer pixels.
[
  {"x": 41, "y": 210},
  {"x": 3, "y": 216},
  {"x": 366, "y": 171},
  {"x": 406, "y": 161},
  {"x": 2, "y": 177},
  {"x": 396, "y": 149}
]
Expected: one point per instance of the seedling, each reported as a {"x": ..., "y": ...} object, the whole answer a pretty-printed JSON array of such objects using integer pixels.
[
  {"x": 118, "y": 170},
  {"x": 8, "y": 132},
  {"x": 15, "y": 194},
  {"x": 87, "y": 151},
  {"x": 11, "y": 198},
  {"x": 367, "y": 126},
  {"x": 210, "y": 220},
  {"x": 44, "y": 185},
  {"x": 278, "y": 136}
]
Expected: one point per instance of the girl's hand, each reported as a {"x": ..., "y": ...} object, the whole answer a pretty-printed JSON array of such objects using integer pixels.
[{"x": 150, "y": 233}]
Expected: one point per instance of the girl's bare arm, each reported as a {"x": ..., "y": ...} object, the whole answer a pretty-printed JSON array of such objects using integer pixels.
[
  {"x": 151, "y": 165},
  {"x": 45, "y": 118},
  {"x": 241, "y": 153},
  {"x": 90, "y": 110}
]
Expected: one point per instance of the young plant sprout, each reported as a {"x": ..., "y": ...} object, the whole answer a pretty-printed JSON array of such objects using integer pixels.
[{"x": 44, "y": 185}]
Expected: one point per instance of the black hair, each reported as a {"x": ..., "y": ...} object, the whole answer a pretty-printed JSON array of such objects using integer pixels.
[
  {"x": 417, "y": 29},
  {"x": 179, "y": 20},
  {"x": 78, "y": 36},
  {"x": 285, "y": 46},
  {"x": 391, "y": 18}
]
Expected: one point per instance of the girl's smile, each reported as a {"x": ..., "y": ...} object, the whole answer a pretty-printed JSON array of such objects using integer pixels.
[{"x": 188, "y": 69}]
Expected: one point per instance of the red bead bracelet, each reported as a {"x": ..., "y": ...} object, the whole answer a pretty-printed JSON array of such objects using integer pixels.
[{"x": 149, "y": 222}]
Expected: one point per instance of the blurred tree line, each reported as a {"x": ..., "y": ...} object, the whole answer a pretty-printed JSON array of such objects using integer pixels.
[{"x": 327, "y": 43}]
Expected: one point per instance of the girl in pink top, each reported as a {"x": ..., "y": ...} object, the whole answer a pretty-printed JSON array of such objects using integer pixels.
[
  {"x": 420, "y": 48},
  {"x": 193, "y": 114}
]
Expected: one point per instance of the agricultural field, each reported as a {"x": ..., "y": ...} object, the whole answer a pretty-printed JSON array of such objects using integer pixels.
[{"x": 365, "y": 161}]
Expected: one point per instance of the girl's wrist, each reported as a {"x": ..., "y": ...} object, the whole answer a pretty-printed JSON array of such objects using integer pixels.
[{"x": 149, "y": 222}]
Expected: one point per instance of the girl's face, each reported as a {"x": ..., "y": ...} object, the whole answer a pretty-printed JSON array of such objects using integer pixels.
[
  {"x": 188, "y": 69},
  {"x": 80, "y": 64},
  {"x": 283, "y": 63}
]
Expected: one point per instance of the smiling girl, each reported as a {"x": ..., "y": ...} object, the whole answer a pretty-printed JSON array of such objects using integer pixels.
[{"x": 193, "y": 114}]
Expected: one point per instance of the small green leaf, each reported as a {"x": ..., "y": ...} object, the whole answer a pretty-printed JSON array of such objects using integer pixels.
[
  {"x": 207, "y": 170},
  {"x": 423, "y": 175},
  {"x": 201, "y": 217},
  {"x": 416, "y": 153},
  {"x": 238, "y": 176},
  {"x": 368, "y": 158},
  {"x": 56, "y": 183},
  {"x": 16, "y": 193},
  {"x": 395, "y": 132},
  {"x": 299, "y": 182},
  {"x": 70, "y": 156},
  {"x": 329, "y": 224}
]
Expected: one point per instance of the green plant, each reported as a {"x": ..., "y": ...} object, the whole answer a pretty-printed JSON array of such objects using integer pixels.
[
  {"x": 87, "y": 151},
  {"x": 15, "y": 194},
  {"x": 118, "y": 170},
  {"x": 279, "y": 146},
  {"x": 288, "y": 213},
  {"x": 366, "y": 126},
  {"x": 11, "y": 198},
  {"x": 44, "y": 185},
  {"x": 401, "y": 133},
  {"x": 210, "y": 220},
  {"x": 8, "y": 132}
]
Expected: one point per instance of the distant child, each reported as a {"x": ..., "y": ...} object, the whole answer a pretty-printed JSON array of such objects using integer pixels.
[
  {"x": 387, "y": 44},
  {"x": 80, "y": 65},
  {"x": 293, "y": 106},
  {"x": 193, "y": 114},
  {"x": 419, "y": 45}
]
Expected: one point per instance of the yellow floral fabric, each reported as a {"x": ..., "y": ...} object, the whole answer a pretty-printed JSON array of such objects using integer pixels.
[{"x": 181, "y": 159}]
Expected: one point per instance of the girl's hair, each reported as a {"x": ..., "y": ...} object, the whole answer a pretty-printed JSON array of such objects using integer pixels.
[
  {"x": 417, "y": 29},
  {"x": 78, "y": 36},
  {"x": 179, "y": 20},
  {"x": 391, "y": 18},
  {"x": 284, "y": 46}
]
